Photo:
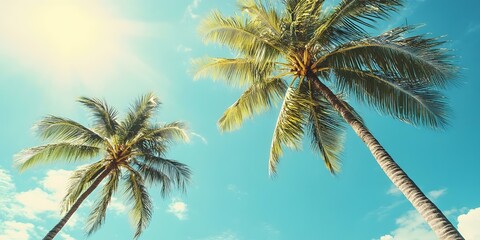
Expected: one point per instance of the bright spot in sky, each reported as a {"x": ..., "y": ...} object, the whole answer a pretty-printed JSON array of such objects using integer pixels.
[{"x": 67, "y": 40}]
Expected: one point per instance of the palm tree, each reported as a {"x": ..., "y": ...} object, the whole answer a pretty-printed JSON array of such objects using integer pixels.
[
  {"x": 312, "y": 57},
  {"x": 131, "y": 154}
]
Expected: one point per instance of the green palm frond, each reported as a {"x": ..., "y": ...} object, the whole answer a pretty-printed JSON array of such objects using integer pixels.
[
  {"x": 141, "y": 211},
  {"x": 412, "y": 102},
  {"x": 54, "y": 152},
  {"x": 290, "y": 125},
  {"x": 350, "y": 16},
  {"x": 240, "y": 35},
  {"x": 265, "y": 14},
  {"x": 105, "y": 117},
  {"x": 237, "y": 72},
  {"x": 326, "y": 130},
  {"x": 97, "y": 215},
  {"x": 79, "y": 181},
  {"x": 167, "y": 132},
  {"x": 63, "y": 129},
  {"x": 138, "y": 116},
  {"x": 414, "y": 58},
  {"x": 255, "y": 99},
  {"x": 154, "y": 167}
]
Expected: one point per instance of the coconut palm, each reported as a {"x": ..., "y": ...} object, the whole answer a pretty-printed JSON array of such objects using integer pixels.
[
  {"x": 313, "y": 57},
  {"x": 130, "y": 153}
]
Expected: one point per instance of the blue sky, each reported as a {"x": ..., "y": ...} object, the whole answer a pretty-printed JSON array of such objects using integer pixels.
[{"x": 52, "y": 52}]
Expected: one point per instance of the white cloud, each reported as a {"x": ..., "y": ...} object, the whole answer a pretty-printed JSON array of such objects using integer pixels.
[
  {"x": 13, "y": 230},
  {"x": 117, "y": 206},
  {"x": 65, "y": 236},
  {"x": 192, "y": 7},
  {"x": 204, "y": 140},
  {"x": 469, "y": 224},
  {"x": 178, "y": 208},
  {"x": 411, "y": 226},
  {"x": 435, "y": 194},
  {"x": 394, "y": 191}
]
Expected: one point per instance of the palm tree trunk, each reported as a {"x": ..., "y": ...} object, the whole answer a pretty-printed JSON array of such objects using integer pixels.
[
  {"x": 55, "y": 230},
  {"x": 442, "y": 227}
]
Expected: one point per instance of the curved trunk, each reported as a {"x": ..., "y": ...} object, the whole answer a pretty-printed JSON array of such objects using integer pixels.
[
  {"x": 442, "y": 227},
  {"x": 50, "y": 235}
]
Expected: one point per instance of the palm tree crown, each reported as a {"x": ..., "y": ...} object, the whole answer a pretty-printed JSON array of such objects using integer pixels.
[
  {"x": 312, "y": 56},
  {"x": 130, "y": 153},
  {"x": 283, "y": 54}
]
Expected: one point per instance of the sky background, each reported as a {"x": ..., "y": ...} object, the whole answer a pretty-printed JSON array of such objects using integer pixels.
[{"x": 53, "y": 51}]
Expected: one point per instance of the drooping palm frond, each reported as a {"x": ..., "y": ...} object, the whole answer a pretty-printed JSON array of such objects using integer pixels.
[
  {"x": 105, "y": 117},
  {"x": 137, "y": 117},
  {"x": 63, "y": 129},
  {"x": 290, "y": 125},
  {"x": 97, "y": 215},
  {"x": 54, "y": 152},
  {"x": 257, "y": 98},
  {"x": 167, "y": 173},
  {"x": 237, "y": 72},
  {"x": 412, "y": 102},
  {"x": 141, "y": 211},
  {"x": 80, "y": 180},
  {"x": 414, "y": 58},
  {"x": 326, "y": 130}
]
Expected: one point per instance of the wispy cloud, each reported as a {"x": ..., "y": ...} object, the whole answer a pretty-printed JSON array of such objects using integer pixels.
[
  {"x": 227, "y": 235},
  {"x": 272, "y": 232},
  {"x": 178, "y": 208},
  {"x": 203, "y": 139},
  {"x": 435, "y": 194},
  {"x": 191, "y": 9},
  {"x": 411, "y": 226},
  {"x": 14, "y": 230},
  {"x": 394, "y": 191},
  {"x": 183, "y": 48}
]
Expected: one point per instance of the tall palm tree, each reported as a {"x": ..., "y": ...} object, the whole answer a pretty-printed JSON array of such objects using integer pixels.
[
  {"x": 312, "y": 57},
  {"x": 130, "y": 153}
]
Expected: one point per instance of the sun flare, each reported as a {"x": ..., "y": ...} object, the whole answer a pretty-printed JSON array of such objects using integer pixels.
[
  {"x": 66, "y": 41},
  {"x": 67, "y": 31}
]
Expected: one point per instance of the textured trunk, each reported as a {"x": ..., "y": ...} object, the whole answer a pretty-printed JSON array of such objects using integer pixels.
[
  {"x": 55, "y": 230},
  {"x": 442, "y": 227}
]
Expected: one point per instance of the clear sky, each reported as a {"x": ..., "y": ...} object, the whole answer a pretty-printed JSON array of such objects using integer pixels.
[{"x": 53, "y": 51}]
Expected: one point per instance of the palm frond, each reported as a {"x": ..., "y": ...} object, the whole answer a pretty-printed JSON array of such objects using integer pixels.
[
  {"x": 79, "y": 181},
  {"x": 97, "y": 215},
  {"x": 241, "y": 35},
  {"x": 167, "y": 132},
  {"x": 290, "y": 125},
  {"x": 63, "y": 129},
  {"x": 412, "y": 102},
  {"x": 105, "y": 117},
  {"x": 54, "y": 152},
  {"x": 164, "y": 171},
  {"x": 326, "y": 130},
  {"x": 351, "y": 16},
  {"x": 264, "y": 13},
  {"x": 414, "y": 58},
  {"x": 255, "y": 99},
  {"x": 138, "y": 117},
  {"x": 141, "y": 211},
  {"x": 237, "y": 72}
]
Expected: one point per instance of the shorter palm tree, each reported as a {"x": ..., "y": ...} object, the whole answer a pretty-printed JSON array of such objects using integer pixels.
[{"x": 131, "y": 154}]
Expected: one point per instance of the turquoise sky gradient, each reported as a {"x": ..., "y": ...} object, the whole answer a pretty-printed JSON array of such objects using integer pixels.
[{"x": 146, "y": 46}]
